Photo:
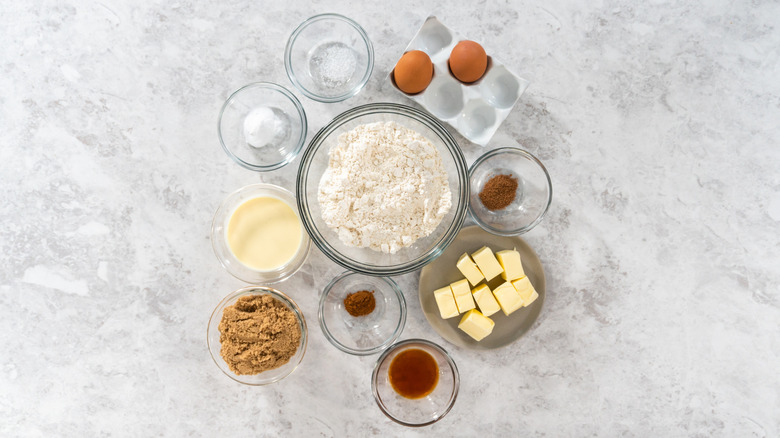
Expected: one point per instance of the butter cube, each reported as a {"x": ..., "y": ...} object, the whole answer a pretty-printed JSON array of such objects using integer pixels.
[
  {"x": 469, "y": 269},
  {"x": 476, "y": 325},
  {"x": 462, "y": 293},
  {"x": 526, "y": 290},
  {"x": 487, "y": 263},
  {"x": 446, "y": 302},
  {"x": 530, "y": 299},
  {"x": 510, "y": 261},
  {"x": 508, "y": 298},
  {"x": 485, "y": 300}
]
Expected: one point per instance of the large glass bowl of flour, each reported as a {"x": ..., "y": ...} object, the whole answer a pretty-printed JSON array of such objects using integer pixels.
[{"x": 356, "y": 254}]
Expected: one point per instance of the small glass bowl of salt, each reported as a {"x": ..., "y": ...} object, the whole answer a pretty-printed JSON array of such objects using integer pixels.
[
  {"x": 329, "y": 58},
  {"x": 262, "y": 126}
]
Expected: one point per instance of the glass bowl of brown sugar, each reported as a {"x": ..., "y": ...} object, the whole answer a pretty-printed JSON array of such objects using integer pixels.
[
  {"x": 510, "y": 191},
  {"x": 257, "y": 335},
  {"x": 362, "y": 314}
]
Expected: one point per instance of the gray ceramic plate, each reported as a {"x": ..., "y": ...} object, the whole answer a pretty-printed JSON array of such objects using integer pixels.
[{"x": 442, "y": 272}]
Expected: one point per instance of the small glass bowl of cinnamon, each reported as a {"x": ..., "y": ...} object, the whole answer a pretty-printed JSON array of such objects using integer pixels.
[
  {"x": 362, "y": 314},
  {"x": 511, "y": 191}
]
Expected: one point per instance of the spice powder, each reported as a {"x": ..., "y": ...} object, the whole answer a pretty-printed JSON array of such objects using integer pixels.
[
  {"x": 498, "y": 192},
  {"x": 360, "y": 303}
]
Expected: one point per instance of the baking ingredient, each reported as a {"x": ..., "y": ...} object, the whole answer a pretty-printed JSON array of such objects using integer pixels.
[
  {"x": 360, "y": 303},
  {"x": 525, "y": 290},
  {"x": 462, "y": 293},
  {"x": 469, "y": 269},
  {"x": 413, "y": 72},
  {"x": 498, "y": 192},
  {"x": 476, "y": 325},
  {"x": 332, "y": 64},
  {"x": 507, "y": 298},
  {"x": 385, "y": 187},
  {"x": 446, "y": 302},
  {"x": 258, "y": 333},
  {"x": 487, "y": 263},
  {"x": 485, "y": 300},
  {"x": 266, "y": 126},
  {"x": 264, "y": 233},
  {"x": 413, "y": 373},
  {"x": 511, "y": 263},
  {"x": 468, "y": 61}
]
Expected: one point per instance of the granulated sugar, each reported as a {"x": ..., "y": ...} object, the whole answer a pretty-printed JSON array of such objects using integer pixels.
[{"x": 332, "y": 64}]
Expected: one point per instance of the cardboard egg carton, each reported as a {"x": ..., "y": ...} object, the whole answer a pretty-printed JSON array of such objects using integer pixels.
[{"x": 475, "y": 110}]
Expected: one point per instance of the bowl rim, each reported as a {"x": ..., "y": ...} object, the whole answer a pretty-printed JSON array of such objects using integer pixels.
[
  {"x": 301, "y": 136},
  {"x": 277, "y": 294},
  {"x": 369, "y": 351},
  {"x": 450, "y": 362},
  {"x": 281, "y": 274},
  {"x": 383, "y": 108},
  {"x": 288, "y": 57},
  {"x": 524, "y": 229}
]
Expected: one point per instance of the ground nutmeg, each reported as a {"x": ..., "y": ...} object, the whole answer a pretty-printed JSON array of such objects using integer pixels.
[{"x": 498, "y": 192}]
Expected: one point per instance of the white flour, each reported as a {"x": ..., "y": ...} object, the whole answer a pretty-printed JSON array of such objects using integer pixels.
[{"x": 384, "y": 188}]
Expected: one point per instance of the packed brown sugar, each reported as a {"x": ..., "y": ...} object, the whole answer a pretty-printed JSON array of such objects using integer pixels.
[{"x": 258, "y": 333}]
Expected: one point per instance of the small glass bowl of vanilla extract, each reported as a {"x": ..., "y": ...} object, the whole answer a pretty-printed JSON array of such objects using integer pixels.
[{"x": 415, "y": 382}]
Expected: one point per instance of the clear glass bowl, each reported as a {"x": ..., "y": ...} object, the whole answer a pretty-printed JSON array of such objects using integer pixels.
[
  {"x": 221, "y": 247},
  {"x": 286, "y": 143},
  {"x": 266, "y": 377},
  {"x": 368, "y": 334},
  {"x": 364, "y": 260},
  {"x": 532, "y": 199},
  {"x": 422, "y": 411},
  {"x": 329, "y": 58}
]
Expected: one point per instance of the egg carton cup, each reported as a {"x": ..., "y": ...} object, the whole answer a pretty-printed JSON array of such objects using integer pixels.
[{"x": 475, "y": 110}]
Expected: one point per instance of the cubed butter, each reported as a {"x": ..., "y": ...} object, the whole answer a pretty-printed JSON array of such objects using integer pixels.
[
  {"x": 462, "y": 293},
  {"x": 526, "y": 290},
  {"x": 446, "y": 302},
  {"x": 508, "y": 298},
  {"x": 476, "y": 325},
  {"x": 485, "y": 300},
  {"x": 510, "y": 261},
  {"x": 530, "y": 299},
  {"x": 469, "y": 269},
  {"x": 487, "y": 263}
]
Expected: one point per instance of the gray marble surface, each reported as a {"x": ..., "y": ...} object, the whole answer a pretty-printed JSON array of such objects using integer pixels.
[{"x": 657, "y": 121}]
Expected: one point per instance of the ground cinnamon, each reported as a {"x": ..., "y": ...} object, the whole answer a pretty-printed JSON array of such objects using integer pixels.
[
  {"x": 258, "y": 333},
  {"x": 498, "y": 192},
  {"x": 360, "y": 303}
]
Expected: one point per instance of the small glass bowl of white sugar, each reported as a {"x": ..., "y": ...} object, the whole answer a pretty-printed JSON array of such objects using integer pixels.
[
  {"x": 262, "y": 126},
  {"x": 329, "y": 58}
]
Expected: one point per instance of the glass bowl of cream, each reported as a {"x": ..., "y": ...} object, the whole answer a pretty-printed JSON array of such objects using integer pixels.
[
  {"x": 258, "y": 236},
  {"x": 262, "y": 126}
]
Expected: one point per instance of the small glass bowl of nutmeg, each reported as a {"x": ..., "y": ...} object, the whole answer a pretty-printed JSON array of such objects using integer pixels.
[
  {"x": 511, "y": 191},
  {"x": 362, "y": 314}
]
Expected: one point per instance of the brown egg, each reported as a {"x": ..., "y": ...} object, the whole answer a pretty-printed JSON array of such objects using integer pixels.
[
  {"x": 468, "y": 61},
  {"x": 413, "y": 72}
]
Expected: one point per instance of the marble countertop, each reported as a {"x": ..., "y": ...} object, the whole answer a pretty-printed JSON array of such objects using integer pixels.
[{"x": 657, "y": 121}]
